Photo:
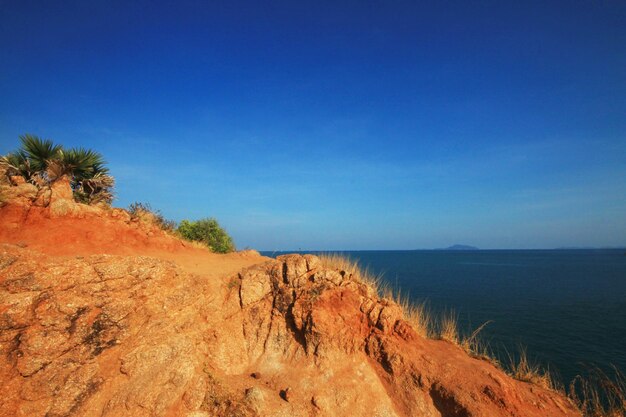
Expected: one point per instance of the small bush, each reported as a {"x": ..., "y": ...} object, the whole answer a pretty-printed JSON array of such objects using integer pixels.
[
  {"x": 144, "y": 212},
  {"x": 207, "y": 231}
]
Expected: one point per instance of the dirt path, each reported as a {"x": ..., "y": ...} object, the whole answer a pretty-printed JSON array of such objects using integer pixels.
[{"x": 94, "y": 235}]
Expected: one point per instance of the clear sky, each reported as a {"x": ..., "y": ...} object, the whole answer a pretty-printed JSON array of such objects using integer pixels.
[{"x": 338, "y": 125}]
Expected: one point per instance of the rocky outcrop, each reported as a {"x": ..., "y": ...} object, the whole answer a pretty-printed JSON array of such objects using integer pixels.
[
  {"x": 327, "y": 318},
  {"x": 110, "y": 335},
  {"x": 56, "y": 198}
]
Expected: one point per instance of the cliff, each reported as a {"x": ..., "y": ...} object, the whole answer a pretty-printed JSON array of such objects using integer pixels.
[{"x": 104, "y": 316}]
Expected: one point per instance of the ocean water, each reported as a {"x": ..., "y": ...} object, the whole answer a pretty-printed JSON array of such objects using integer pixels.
[{"x": 567, "y": 308}]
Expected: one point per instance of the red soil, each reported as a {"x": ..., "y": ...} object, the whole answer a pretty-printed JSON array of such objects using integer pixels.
[{"x": 100, "y": 233}]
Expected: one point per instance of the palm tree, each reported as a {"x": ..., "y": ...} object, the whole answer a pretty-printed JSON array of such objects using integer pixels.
[{"x": 41, "y": 162}]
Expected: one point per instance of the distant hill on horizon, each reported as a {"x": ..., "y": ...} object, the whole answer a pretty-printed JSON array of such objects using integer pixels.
[{"x": 459, "y": 247}]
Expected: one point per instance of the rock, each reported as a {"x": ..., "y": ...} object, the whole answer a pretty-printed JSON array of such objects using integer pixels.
[
  {"x": 255, "y": 397},
  {"x": 22, "y": 194},
  {"x": 198, "y": 414},
  {"x": 388, "y": 317},
  {"x": 120, "y": 214},
  {"x": 294, "y": 269},
  {"x": 331, "y": 276},
  {"x": 317, "y": 403},
  {"x": 255, "y": 285},
  {"x": 312, "y": 262},
  {"x": 61, "y": 189},
  {"x": 63, "y": 208},
  {"x": 17, "y": 180},
  {"x": 61, "y": 201}
]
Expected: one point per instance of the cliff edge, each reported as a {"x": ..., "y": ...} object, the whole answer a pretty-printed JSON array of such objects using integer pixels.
[{"x": 102, "y": 316}]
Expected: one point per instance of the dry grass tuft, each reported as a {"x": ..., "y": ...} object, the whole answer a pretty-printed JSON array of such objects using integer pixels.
[
  {"x": 599, "y": 395},
  {"x": 523, "y": 370},
  {"x": 472, "y": 344},
  {"x": 352, "y": 268},
  {"x": 416, "y": 314},
  {"x": 448, "y": 327},
  {"x": 476, "y": 347}
]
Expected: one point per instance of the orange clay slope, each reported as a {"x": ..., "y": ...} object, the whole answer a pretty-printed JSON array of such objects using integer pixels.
[{"x": 85, "y": 230}]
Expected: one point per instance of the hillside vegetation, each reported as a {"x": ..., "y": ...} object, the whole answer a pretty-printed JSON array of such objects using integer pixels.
[{"x": 41, "y": 163}]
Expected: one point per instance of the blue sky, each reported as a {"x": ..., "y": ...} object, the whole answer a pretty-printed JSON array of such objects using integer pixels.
[{"x": 338, "y": 125}]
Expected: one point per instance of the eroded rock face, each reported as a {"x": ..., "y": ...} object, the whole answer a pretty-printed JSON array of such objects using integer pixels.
[
  {"x": 117, "y": 336},
  {"x": 20, "y": 194},
  {"x": 57, "y": 198}
]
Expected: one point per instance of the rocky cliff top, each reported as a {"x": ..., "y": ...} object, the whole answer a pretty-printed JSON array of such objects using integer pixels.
[{"x": 184, "y": 332}]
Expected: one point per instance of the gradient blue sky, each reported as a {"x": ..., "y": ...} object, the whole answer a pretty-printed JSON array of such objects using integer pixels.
[{"x": 338, "y": 125}]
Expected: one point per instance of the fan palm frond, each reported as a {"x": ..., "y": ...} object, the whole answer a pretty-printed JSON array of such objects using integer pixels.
[
  {"x": 38, "y": 151},
  {"x": 81, "y": 163},
  {"x": 99, "y": 168},
  {"x": 16, "y": 163}
]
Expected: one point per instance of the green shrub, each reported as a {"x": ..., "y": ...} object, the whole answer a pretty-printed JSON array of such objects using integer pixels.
[{"x": 209, "y": 232}]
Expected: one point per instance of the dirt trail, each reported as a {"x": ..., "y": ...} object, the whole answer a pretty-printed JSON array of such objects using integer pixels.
[{"x": 104, "y": 234}]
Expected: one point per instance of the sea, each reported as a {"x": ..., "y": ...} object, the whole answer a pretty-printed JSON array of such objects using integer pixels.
[{"x": 565, "y": 308}]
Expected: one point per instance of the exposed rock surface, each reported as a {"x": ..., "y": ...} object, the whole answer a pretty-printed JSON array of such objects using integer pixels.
[
  {"x": 184, "y": 332},
  {"x": 114, "y": 336}
]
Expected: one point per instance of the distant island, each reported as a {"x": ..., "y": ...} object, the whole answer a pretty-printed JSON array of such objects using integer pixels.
[{"x": 459, "y": 247}]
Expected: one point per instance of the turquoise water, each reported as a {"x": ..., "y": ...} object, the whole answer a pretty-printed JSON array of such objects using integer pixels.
[{"x": 566, "y": 307}]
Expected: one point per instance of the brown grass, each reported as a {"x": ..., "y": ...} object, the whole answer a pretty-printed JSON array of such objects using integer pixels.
[
  {"x": 449, "y": 328},
  {"x": 471, "y": 343},
  {"x": 352, "y": 267},
  {"x": 475, "y": 346},
  {"x": 523, "y": 369},
  {"x": 599, "y": 395},
  {"x": 416, "y": 314}
]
